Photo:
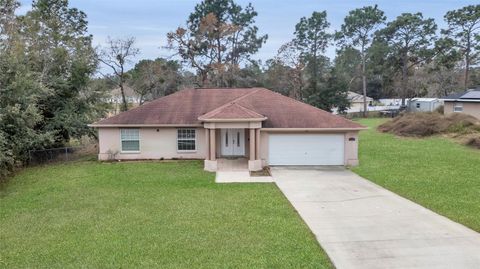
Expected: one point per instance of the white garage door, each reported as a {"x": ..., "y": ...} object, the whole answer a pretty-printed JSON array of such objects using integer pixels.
[{"x": 306, "y": 149}]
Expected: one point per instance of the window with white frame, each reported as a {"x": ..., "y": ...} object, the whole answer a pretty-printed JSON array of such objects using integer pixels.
[
  {"x": 130, "y": 140},
  {"x": 458, "y": 107},
  {"x": 186, "y": 140}
]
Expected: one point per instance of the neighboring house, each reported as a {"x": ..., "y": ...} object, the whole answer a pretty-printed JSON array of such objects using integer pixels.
[
  {"x": 115, "y": 99},
  {"x": 357, "y": 103},
  {"x": 266, "y": 127},
  {"x": 466, "y": 102},
  {"x": 423, "y": 104}
]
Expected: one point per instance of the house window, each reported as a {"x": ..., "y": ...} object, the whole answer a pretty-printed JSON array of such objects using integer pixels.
[
  {"x": 418, "y": 105},
  {"x": 458, "y": 107},
  {"x": 186, "y": 140},
  {"x": 130, "y": 140}
]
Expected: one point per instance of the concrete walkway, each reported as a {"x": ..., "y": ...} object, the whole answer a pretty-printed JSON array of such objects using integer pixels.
[
  {"x": 240, "y": 177},
  {"x": 361, "y": 225},
  {"x": 236, "y": 171}
]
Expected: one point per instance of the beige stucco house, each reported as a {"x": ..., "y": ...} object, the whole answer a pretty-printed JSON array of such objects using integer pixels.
[
  {"x": 466, "y": 102},
  {"x": 357, "y": 103},
  {"x": 264, "y": 127}
]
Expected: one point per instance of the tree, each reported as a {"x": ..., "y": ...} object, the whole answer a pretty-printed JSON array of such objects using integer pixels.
[
  {"x": 20, "y": 89},
  {"x": 291, "y": 58},
  {"x": 155, "y": 78},
  {"x": 276, "y": 77},
  {"x": 251, "y": 75},
  {"x": 464, "y": 30},
  {"x": 46, "y": 96},
  {"x": 410, "y": 38},
  {"x": 357, "y": 31},
  {"x": 332, "y": 94},
  {"x": 59, "y": 54},
  {"x": 8, "y": 19},
  {"x": 347, "y": 64},
  {"x": 117, "y": 54},
  {"x": 312, "y": 39},
  {"x": 219, "y": 36}
]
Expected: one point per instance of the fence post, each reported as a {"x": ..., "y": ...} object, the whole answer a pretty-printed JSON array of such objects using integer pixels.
[{"x": 66, "y": 154}]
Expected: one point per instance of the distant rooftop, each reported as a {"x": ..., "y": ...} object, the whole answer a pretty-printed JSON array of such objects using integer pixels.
[
  {"x": 471, "y": 95},
  {"x": 425, "y": 99}
]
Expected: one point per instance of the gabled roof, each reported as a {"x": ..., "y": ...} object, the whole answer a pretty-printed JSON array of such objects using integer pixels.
[
  {"x": 231, "y": 111},
  {"x": 355, "y": 97},
  {"x": 192, "y": 106},
  {"x": 472, "y": 95}
]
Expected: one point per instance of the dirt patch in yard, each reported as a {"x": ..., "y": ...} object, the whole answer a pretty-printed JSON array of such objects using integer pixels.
[{"x": 461, "y": 127}]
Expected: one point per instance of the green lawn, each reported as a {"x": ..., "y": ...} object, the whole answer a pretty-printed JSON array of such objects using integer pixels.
[
  {"x": 151, "y": 215},
  {"x": 434, "y": 172}
]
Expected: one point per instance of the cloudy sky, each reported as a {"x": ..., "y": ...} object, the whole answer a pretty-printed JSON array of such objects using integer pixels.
[{"x": 150, "y": 20}]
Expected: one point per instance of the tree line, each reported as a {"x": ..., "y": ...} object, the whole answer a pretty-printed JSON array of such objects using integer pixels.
[
  {"x": 50, "y": 89},
  {"x": 405, "y": 57}
]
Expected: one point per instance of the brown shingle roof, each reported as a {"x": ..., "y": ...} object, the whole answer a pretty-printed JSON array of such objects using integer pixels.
[
  {"x": 231, "y": 111},
  {"x": 186, "y": 106}
]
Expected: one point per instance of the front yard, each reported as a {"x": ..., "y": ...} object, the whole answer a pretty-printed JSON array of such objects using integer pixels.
[
  {"x": 148, "y": 214},
  {"x": 434, "y": 172}
]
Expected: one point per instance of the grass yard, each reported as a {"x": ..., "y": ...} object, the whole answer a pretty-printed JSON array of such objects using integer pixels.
[
  {"x": 148, "y": 214},
  {"x": 434, "y": 172}
]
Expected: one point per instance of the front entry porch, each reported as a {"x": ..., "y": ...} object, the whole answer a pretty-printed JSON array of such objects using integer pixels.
[
  {"x": 233, "y": 149},
  {"x": 228, "y": 131}
]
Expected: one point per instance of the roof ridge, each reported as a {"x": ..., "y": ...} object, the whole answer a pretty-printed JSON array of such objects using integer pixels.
[
  {"x": 234, "y": 101},
  {"x": 218, "y": 110},
  {"x": 245, "y": 95}
]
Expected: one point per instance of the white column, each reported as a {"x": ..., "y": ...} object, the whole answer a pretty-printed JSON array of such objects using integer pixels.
[
  {"x": 252, "y": 144},
  {"x": 212, "y": 145},
  {"x": 207, "y": 143},
  {"x": 257, "y": 144}
]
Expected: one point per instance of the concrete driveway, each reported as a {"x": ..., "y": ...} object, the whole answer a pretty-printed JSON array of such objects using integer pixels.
[{"x": 361, "y": 225}]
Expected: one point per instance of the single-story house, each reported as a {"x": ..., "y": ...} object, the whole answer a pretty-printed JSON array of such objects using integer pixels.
[
  {"x": 255, "y": 123},
  {"x": 423, "y": 104},
  {"x": 357, "y": 103},
  {"x": 467, "y": 102}
]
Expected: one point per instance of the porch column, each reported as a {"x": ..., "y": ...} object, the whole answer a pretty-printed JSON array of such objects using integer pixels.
[
  {"x": 257, "y": 144},
  {"x": 207, "y": 143},
  {"x": 212, "y": 145},
  {"x": 252, "y": 144}
]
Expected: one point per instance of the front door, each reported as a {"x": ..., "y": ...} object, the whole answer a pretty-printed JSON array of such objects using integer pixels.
[{"x": 233, "y": 142}]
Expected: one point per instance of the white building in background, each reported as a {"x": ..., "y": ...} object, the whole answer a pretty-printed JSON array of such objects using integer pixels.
[
  {"x": 115, "y": 99},
  {"x": 423, "y": 104},
  {"x": 357, "y": 102},
  {"x": 394, "y": 102}
]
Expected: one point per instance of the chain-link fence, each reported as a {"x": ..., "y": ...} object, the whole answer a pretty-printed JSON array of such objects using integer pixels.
[{"x": 63, "y": 154}]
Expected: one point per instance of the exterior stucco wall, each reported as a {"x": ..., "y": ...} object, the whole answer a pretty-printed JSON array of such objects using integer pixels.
[
  {"x": 153, "y": 144},
  {"x": 357, "y": 106},
  {"x": 468, "y": 108},
  {"x": 163, "y": 144},
  {"x": 350, "y": 148}
]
